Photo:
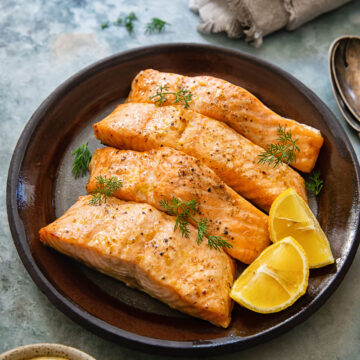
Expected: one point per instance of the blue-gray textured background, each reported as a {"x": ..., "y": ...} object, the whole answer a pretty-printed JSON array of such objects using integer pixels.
[{"x": 44, "y": 42}]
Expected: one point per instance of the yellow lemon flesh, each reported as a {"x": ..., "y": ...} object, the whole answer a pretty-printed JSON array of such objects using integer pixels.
[
  {"x": 275, "y": 280},
  {"x": 290, "y": 215}
]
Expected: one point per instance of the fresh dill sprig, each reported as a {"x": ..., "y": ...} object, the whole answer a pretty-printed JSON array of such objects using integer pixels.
[
  {"x": 315, "y": 184},
  {"x": 282, "y": 152},
  {"x": 182, "y": 96},
  {"x": 104, "y": 188},
  {"x": 105, "y": 25},
  {"x": 82, "y": 160},
  {"x": 155, "y": 25},
  {"x": 185, "y": 211}
]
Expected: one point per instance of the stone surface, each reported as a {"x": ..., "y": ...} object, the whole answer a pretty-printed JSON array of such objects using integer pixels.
[{"x": 41, "y": 44}]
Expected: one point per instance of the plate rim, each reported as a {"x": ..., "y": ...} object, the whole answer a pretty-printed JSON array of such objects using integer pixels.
[{"x": 100, "y": 327}]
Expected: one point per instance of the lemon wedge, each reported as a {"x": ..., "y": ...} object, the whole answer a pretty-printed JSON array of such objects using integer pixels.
[
  {"x": 290, "y": 215},
  {"x": 275, "y": 280}
]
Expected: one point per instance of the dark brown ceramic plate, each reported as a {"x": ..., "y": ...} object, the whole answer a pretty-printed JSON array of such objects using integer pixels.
[{"x": 40, "y": 187}]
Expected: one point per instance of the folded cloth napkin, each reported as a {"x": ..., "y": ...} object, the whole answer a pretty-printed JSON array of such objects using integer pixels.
[{"x": 256, "y": 18}]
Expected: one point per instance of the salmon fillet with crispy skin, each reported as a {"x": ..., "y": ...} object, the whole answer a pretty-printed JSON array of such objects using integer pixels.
[
  {"x": 161, "y": 174},
  {"x": 233, "y": 157},
  {"x": 136, "y": 244},
  {"x": 233, "y": 105}
]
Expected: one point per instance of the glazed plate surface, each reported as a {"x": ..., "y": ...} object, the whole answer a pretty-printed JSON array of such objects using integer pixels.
[{"x": 40, "y": 188}]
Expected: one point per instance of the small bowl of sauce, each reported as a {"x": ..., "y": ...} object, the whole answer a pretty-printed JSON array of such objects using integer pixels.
[
  {"x": 45, "y": 352},
  {"x": 48, "y": 358}
]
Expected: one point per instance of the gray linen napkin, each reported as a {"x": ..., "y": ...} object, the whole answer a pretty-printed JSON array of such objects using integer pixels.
[{"x": 255, "y": 19}]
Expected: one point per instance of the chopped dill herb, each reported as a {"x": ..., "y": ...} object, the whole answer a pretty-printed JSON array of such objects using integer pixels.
[
  {"x": 128, "y": 22},
  {"x": 155, "y": 25}
]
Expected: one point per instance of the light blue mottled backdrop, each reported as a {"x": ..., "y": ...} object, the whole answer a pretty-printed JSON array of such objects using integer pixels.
[{"x": 44, "y": 42}]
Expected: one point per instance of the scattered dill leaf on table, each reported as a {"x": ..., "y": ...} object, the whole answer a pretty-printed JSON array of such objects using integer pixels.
[
  {"x": 155, "y": 25},
  {"x": 128, "y": 22},
  {"x": 118, "y": 22}
]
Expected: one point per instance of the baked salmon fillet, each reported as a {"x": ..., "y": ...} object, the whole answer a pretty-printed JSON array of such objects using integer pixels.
[
  {"x": 233, "y": 105},
  {"x": 136, "y": 244},
  {"x": 234, "y": 158},
  {"x": 161, "y": 174}
]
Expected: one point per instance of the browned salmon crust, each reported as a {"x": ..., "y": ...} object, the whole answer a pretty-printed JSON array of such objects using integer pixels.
[
  {"x": 160, "y": 174},
  {"x": 136, "y": 244},
  {"x": 233, "y": 158},
  {"x": 233, "y": 105}
]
